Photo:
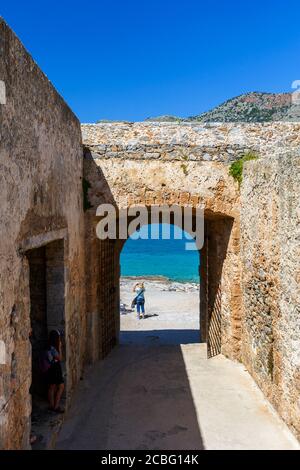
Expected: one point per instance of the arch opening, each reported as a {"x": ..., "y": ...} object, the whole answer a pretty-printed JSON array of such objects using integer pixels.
[
  {"x": 160, "y": 256},
  {"x": 219, "y": 295}
]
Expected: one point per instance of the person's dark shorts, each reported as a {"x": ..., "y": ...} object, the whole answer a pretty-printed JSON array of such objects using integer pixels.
[{"x": 54, "y": 374}]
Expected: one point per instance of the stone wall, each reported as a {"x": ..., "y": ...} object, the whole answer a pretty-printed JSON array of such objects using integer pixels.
[
  {"x": 270, "y": 231},
  {"x": 102, "y": 286},
  {"x": 124, "y": 181},
  {"x": 251, "y": 255},
  {"x": 186, "y": 141},
  {"x": 41, "y": 201}
]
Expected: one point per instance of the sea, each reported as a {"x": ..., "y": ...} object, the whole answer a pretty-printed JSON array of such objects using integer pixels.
[{"x": 151, "y": 253}]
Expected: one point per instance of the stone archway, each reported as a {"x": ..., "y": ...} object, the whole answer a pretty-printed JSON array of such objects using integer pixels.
[
  {"x": 220, "y": 291},
  {"x": 143, "y": 182},
  {"x": 169, "y": 216}
]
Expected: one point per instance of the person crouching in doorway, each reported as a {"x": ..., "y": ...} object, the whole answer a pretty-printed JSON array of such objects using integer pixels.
[{"x": 54, "y": 375}]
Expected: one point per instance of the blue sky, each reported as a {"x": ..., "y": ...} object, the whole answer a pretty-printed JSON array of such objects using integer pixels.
[{"x": 132, "y": 59}]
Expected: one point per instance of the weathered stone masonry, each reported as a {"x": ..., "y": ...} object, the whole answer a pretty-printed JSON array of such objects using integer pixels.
[
  {"x": 250, "y": 270},
  {"x": 41, "y": 202},
  {"x": 56, "y": 273},
  {"x": 166, "y": 180},
  {"x": 271, "y": 274}
]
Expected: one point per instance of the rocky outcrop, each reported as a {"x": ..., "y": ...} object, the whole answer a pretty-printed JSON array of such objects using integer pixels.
[
  {"x": 254, "y": 107},
  {"x": 250, "y": 107}
]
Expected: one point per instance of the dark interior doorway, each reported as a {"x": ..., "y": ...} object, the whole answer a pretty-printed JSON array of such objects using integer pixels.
[{"x": 47, "y": 312}]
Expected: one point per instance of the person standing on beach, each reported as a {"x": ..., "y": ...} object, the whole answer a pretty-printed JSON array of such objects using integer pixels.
[{"x": 139, "y": 289}]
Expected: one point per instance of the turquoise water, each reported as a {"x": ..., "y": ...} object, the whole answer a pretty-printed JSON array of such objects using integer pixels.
[{"x": 167, "y": 258}]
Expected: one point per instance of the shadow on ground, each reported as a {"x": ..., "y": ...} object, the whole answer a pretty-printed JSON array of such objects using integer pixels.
[
  {"x": 166, "y": 397},
  {"x": 149, "y": 337},
  {"x": 138, "y": 398}
]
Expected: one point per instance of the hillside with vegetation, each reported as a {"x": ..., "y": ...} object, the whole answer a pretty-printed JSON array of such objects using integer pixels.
[{"x": 250, "y": 107}]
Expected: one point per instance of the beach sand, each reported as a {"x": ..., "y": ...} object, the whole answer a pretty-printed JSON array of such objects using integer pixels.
[{"x": 172, "y": 312}]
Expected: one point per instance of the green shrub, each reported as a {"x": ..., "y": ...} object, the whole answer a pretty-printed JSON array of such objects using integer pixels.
[
  {"x": 184, "y": 169},
  {"x": 236, "y": 168}
]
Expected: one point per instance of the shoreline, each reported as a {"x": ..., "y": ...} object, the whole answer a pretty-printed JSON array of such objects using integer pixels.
[
  {"x": 159, "y": 278},
  {"x": 160, "y": 283}
]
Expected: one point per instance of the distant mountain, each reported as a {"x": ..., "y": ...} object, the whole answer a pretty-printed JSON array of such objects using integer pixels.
[
  {"x": 166, "y": 118},
  {"x": 253, "y": 107},
  {"x": 250, "y": 107}
]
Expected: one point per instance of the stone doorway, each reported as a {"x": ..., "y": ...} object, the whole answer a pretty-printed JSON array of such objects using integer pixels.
[{"x": 47, "y": 312}]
